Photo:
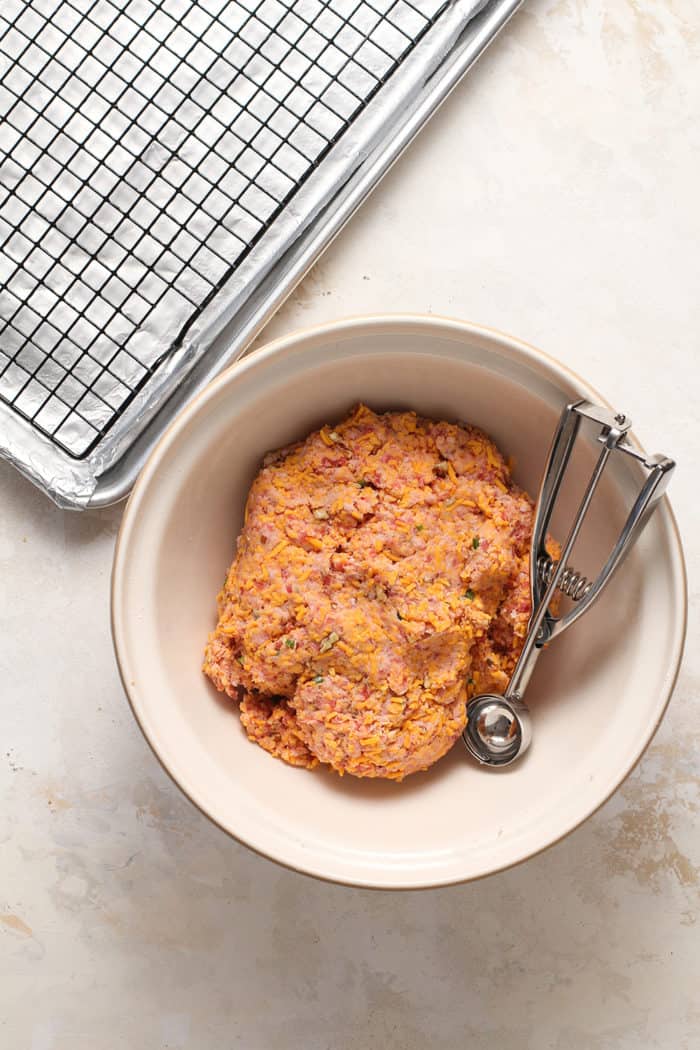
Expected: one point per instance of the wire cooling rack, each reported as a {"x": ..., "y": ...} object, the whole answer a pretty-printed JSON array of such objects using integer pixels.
[{"x": 148, "y": 146}]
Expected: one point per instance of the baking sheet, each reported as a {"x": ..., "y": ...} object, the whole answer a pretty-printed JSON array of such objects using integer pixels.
[{"x": 200, "y": 225}]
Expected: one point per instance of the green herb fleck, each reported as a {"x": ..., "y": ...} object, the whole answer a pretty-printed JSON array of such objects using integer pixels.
[
  {"x": 469, "y": 594},
  {"x": 419, "y": 528},
  {"x": 329, "y": 642},
  {"x": 470, "y": 681},
  {"x": 475, "y": 543},
  {"x": 364, "y": 483},
  {"x": 290, "y": 643},
  {"x": 240, "y": 660},
  {"x": 318, "y": 679}
]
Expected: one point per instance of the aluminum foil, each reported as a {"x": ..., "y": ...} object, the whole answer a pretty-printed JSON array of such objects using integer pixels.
[{"x": 149, "y": 235}]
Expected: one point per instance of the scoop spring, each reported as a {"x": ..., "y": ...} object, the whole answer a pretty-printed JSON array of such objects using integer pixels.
[{"x": 572, "y": 583}]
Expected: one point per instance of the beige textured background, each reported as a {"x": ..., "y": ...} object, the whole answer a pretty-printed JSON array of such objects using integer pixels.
[{"x": 555, "y": 196}]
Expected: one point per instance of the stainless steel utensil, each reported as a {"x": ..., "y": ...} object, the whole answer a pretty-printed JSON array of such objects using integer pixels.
[{"x": 499, "y": 728}]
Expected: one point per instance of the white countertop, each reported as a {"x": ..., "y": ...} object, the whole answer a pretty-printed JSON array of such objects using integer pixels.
[{"x": 555, "y": 196}]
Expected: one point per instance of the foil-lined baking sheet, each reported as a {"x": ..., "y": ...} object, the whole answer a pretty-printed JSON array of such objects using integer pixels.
[{"x": 169, "y": 170}]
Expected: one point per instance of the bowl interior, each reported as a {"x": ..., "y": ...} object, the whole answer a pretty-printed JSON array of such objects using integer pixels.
[{"x": 597, "y": 693}]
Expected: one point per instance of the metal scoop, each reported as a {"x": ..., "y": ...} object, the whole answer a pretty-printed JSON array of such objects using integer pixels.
[{"x": 499, "y": 728}]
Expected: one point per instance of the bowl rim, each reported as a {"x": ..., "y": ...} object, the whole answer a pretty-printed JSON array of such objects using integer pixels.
[{"x": 344, "y": 326}]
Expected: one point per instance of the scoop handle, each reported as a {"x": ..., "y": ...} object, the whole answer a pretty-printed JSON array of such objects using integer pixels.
[{"x": 543, "y": 626}]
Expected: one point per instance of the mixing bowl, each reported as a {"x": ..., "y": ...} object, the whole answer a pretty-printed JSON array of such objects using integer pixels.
[{"x": 598, "y": 693}]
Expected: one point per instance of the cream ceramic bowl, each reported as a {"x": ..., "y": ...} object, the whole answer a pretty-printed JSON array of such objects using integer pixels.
[{"x": 597, "y": 695}]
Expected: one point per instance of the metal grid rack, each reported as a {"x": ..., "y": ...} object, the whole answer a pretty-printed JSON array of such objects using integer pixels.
[{"x": 149, "y": 144}]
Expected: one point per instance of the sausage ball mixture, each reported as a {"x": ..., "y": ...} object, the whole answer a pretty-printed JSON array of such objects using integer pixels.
[{"x": 381, "y": 579}]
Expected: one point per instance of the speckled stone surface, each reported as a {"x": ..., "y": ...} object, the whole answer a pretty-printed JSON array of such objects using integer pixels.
[{"x": 555, "y": 197}]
